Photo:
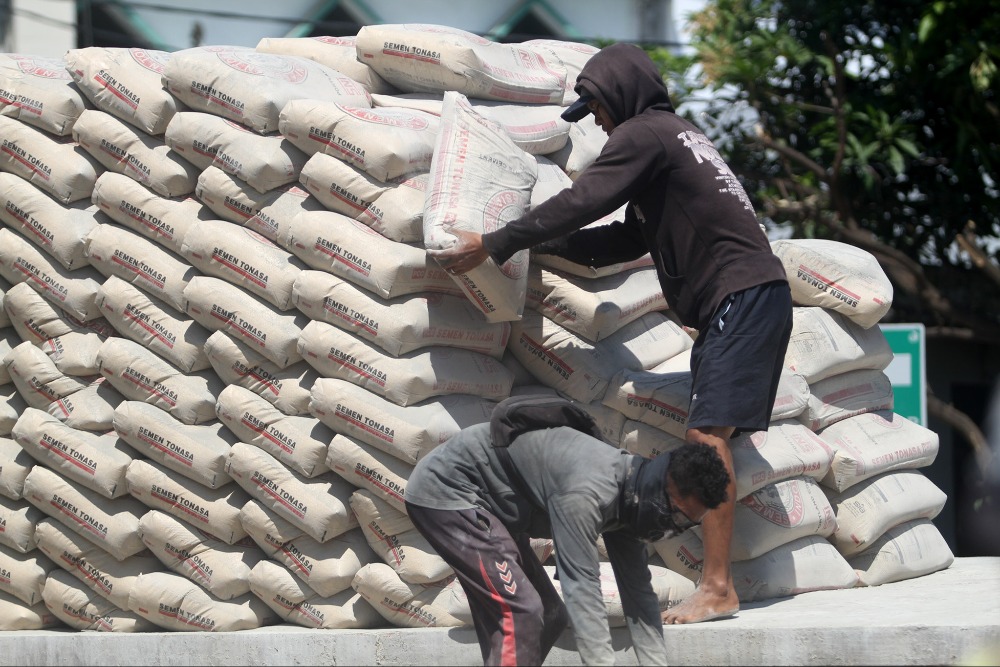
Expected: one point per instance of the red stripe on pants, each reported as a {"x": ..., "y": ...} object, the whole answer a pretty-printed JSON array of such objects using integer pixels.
[{"x": 508, "y": 654}]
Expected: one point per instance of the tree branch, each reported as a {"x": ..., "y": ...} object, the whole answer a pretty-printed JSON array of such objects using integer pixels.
[
  {"x": 967, "y": 241},
  {"x": 966, "y": 428}
]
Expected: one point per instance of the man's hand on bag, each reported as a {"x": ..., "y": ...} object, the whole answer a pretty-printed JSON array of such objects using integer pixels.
[{"x": 462, "y": 256}]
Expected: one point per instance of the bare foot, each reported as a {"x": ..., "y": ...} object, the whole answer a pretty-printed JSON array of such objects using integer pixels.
[{"x": 702, "y": 605}]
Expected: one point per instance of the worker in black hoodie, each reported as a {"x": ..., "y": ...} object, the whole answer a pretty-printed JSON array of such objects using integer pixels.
[{"x": 686, "y": 209}]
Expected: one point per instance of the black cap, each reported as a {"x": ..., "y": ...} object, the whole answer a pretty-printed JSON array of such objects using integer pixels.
[{"x": 578, "y": 110}]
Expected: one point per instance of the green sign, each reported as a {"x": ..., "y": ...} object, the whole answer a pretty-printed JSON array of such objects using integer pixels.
[{"x": 907, "y": 369}]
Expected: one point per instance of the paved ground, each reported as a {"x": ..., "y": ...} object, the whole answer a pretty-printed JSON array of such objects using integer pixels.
[{"x": 950, "y": 617}]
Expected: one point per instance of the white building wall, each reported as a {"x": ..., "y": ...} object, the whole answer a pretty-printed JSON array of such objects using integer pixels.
[{"x": 42, "y": 28}]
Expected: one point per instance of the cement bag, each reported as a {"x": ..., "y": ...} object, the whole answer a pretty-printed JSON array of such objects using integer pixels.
[
  {"x": 400, "y": 325},
  {"x": 244, "y": 258},
  {"x": 155, "y": 325},
  {"x": 385, "y": 143},
  {"x": 174, "y": 603},
  {"x": 440, "y": 604},
  {"x": 334, "y": 243},
  {"x": 214, "y": 511},
  {"x": 90, "y": 409},
  {"x": 801, "y": 566},
  {"x": 269, "y": 213},
  {"x": 57, "y": 229},
  {"x": 339, "y": 53},
  {"x": 368, "y": 468},
  {"x": 594, "y": 309},
  {"x": 584, "y": 143},
  {"x": 837, "y": 276},
  {"x": 265, "y": 162},
  {"x": 221, "y": 306},
  {"x": 24, "y": 574},
  {"x": 74, "y": 352},
  {"x": 251, "y": 88},
  {"x": 16, "y": 465},
  {"x": 110, "y": 524},
  {"x": 537, "y": 129},
  {"x": 682, "y": 553},
  {"x": 11, "y": 407},
  {"x": 299, "y": 442},
  {"x": 786, "y": 449},
  {"x": 4, "y": 317},
  {"x": 479, "y": 182},
  {"x": 319, "y": 505},
  {"x": 18, "y": 519},
  {"x": 394, "y": 538},
  {"x": 82, "y": 609},
  {"x": 95, "y": 462},
  {"x": 407, "y": 379},
  {"x": 325, "y": 567},
  {"x": 433, "y": 58},
  {"x": 116, "y": 251},
  {"x": 906, "y": 551},
  {"x": 582, "y": 370},
  {"x": 140, "y": 375},
  {"x": 875, "y": 442},
  {"x": 404, "y": 432},
  {"x": 236, "y": 363},
  {"x": 125, "y": 83},
  {"x": 567, "y": 267},
  {"x": 8, "y": 341},
  {"x": 37, "y": 378},
  {"x": 842, "y": 396},
  {"x": 72, "y": 292},
  {"x": 221, "y": 569},
  {"x": 127, "y": 150},
  {"x": 394, "y": 209},
  {"x": 131, "y": 204},
  {"x": 40, "y": 92},
  {"x": 866, "y": 510},
  {"x": 16, "y": 615},
  {"x": 571, "y": 55},
  {"x": 98, "y": 570},
  {"x": 551, "y": 181},
  {"x": 294, "y": 602},
  {"x": 825, "y": 343},
  {"x": 196, "y": 451},
  {"x": 55, "y": 165},
  {"x": 36, "y": 319}
]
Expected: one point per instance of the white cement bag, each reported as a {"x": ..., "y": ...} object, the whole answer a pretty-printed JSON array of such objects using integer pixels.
[
  {"x": 9, "y": 339},
  {"x": 404, "y": 432},
  {"x": 866, "y": 510},
  {"x": 16, "y": 615},
  {"x": 394, "y": 538},
  {"x": 174, "y": 603},
  {"x": 433, "y": 58},
  {"x": 876, "y": 442},
  {"x": 57, "y": 229},
  {"x": 583, "y": 370},
  {"x": 98, "y": 570},
  {"x": 36, "y": 319},
  {"x": 803, "y": 565},
  {"x": 125, "y": 83},
  {"x": 221, "y": 569},
  {"x": 82, "y": 609},
  {"x": 551, "y": 181},
  {"x": 131, "y": 204},
  {"x": 394, "y": 209},
  {"x": 369, "y": 468},
  {"x": 37, "y": 378},
  {"x": 339, "y": 53},
  {"x": 236, "y": 363},
  {"x": 18, "y": 518},
  {"x": 400, "y": 325},
  {"x": 479, "y": 182},
  {"x": 317, "y": 505},
  {"x": 74, "y": 352},
  {"x": 583, "y": 144},
  {"x": 72, "y": 292},
  {"x": 786, "y": 449},
  {"x": 682, "y": 553},
  {"x": 39, "y": 91},
  {"x": 567, "y": 267},
  {"x": 110, "y": 524},
  {"x": 265, "y": 162},
  {"x": 326, "y": 567},
  {"x": 95, "y": 462},
  {"x": 837, "y": 276},
  {"x": 15, "y": 466},
  {"x": 221, "y": 306},
  {"x": 335, "y": 243},
  {"x": 139, "y": 375},
  {"x": 55, "y": 165},
  {"x": 250, "y": 87},
  {"x": 299, "y": 442},
  {"x": 906, "y": 551},
  {"x": 440, "y": 604},
  {"x": 842, "y": 396},
  {"x": 244, "y": 258},
  {"x": 571, "y": 55},
  {"x": 11, "y": 407},
  {"x": 90, "y": 409},
  {"x": 537, "y": 129},
  {"x": 385, "y": 143},
  {"x": 825, "y": 343},
  {"x": 407, "y": 379},
  {"x": 214, "y": 511},
  {"x": 197, "y": 451}
]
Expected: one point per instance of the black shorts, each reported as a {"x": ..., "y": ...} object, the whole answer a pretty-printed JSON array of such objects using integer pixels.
[{"x": 736, "y": 362}]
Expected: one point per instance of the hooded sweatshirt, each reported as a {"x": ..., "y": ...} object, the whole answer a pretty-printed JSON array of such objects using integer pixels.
[{"x": 685, "y": 206}]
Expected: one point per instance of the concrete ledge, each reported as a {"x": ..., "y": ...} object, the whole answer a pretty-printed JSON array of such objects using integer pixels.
[{"x": 949, "y": 617}]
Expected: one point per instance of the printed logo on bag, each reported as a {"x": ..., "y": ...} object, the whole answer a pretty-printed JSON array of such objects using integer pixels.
[
  {"x": 782, "y": 504},
  {"x": 260, "y": 64}
]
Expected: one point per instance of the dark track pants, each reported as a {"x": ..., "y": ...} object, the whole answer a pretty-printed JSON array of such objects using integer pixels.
[{"x": 516, "y": 610}]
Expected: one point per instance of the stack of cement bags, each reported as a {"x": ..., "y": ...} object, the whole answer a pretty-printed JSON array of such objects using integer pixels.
[{"x": 224, "y": 346}]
